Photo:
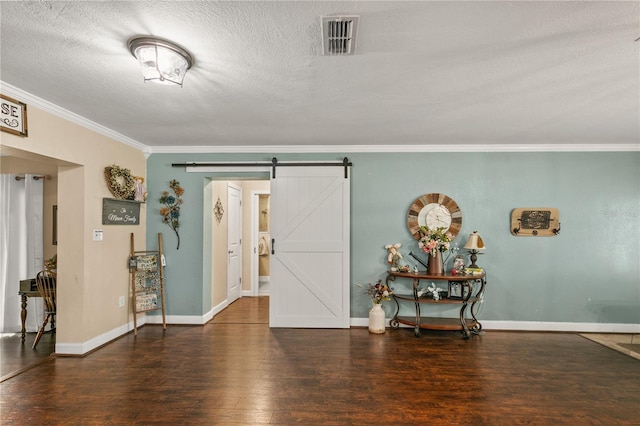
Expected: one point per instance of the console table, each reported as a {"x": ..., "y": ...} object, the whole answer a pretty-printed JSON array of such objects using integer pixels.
[{"x": 469, "y": 290}]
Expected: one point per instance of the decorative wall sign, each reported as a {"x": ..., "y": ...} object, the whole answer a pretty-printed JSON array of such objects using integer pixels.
[
  {"x": 218, "y": 211},
  {"x": 146, "y": 302},
  {"x": 13, "y": 116},
  {"x": 535, "y": 222},
  {"x": 120, "y": 212},
  {"x": 147, "y": 263}
]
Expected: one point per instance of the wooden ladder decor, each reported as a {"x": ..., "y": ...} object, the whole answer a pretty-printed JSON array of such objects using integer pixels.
[{"x": 146, "y": 271}]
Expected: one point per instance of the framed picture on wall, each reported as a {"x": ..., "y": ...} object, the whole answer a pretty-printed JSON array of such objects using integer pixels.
[{"x": 54, "y": 229}]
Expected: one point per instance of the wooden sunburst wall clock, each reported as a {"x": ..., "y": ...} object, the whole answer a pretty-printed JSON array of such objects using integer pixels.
[{"x": 434, "y": 211}]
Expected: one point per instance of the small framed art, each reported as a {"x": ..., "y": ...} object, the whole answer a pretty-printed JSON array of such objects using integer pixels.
[{"x": 458, "y": 290}]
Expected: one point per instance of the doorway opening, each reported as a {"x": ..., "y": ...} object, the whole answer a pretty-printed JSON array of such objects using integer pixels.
[
  {"x": 233, "y": 212},
  {"x": 261, "y": 264},
  {"x": 309, "y": 218}
]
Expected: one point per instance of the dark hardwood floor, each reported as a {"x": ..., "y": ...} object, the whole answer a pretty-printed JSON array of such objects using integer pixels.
[
  {"x": 15, "y": 357},
  {"x": 236, "y": 370}
]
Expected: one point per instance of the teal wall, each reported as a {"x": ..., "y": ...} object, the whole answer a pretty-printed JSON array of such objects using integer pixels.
[{"x": 588, "y": 273}]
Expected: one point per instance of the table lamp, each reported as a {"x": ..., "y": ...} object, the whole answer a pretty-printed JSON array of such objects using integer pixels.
[{"x": 474, "y": 245}]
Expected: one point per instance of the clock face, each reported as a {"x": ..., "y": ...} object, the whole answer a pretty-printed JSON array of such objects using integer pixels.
[
  {"x": 438, "y": 216},
  {"x": 434, "y": 211}
]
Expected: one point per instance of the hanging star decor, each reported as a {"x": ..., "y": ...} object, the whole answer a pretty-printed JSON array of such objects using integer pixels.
[{"x": 218, "y": 211}]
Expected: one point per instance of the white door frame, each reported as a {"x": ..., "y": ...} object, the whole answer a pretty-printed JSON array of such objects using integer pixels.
[{"x": 255, "y": 218}]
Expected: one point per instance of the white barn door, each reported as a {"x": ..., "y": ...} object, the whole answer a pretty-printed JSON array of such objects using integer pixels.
[{"x": 310, "y": 261}]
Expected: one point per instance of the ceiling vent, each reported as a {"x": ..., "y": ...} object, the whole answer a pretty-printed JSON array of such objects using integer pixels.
[{"x": 339, "y": 34}]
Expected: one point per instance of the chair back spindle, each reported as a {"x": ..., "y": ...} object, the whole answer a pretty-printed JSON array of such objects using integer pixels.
[{"x": 46, "y": 283}]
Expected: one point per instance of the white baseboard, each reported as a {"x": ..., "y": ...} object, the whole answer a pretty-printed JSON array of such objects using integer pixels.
[
  {"x": 189, "y": 319},
  {"x": 569, "y": 327},
  {"x": 96, "y": 342},
  {"x": 573, "y": 327}
]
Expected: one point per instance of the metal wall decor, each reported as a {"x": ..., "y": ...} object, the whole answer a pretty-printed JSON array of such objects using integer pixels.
[
  {"x": 218, "y": 211},
  {"x": 535, "y": 222},
  {"x": 170, "y": 207}
]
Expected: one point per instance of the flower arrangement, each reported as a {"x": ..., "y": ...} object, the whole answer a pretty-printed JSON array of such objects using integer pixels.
[
  {"x": 379, "y": 292},
  {"x": 170, "y": 211},
  {"x": 434, "y": 240}
]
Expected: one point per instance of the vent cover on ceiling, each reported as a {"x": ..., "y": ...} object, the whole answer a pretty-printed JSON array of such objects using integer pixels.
[{"x": 339, "y": 34}]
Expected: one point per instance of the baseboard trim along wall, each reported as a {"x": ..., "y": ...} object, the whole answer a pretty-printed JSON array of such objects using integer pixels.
[
  {"x": 73, "y": 349},
  {"x": 567, "y": 327},
  {"x": 96, "y": 342}
]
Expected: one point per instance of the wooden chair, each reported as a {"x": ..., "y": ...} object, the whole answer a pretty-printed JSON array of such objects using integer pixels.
[{"x": 46, "y": 282}]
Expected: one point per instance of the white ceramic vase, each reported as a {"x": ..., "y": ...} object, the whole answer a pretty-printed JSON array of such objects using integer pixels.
[{"x": 376, "y": 319}]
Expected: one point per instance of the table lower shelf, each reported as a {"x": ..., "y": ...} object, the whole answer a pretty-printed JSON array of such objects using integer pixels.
[{"x": 436, "y": 323}]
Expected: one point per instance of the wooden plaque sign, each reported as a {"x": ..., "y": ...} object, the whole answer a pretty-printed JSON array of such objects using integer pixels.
[
  {"x": 13, "y": 117},
  {"x": 120, "y": 212},
  {"x": 535, "y": 222}
]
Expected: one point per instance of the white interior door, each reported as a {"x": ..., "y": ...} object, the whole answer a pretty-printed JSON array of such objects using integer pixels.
[
  {"x": 234, "y": 243},
  {"x": 310, "y": 248}
]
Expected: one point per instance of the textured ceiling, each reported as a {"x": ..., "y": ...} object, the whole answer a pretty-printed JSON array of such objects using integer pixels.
[{"x": 444, "y": 74}]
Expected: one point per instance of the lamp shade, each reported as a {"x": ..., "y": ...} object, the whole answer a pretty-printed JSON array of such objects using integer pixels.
[
  {"x": 474, "y": 242},
  {"x": 160, "y": 60}
]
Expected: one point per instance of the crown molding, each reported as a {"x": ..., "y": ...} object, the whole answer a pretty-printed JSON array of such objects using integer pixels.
[
  {"x": 51, "y": 108},
  {"x": 299, "y": 149},
  {"x": 58, "y": 111}
]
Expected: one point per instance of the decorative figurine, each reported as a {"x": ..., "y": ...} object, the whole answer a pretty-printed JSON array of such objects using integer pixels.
[
  {"x": 394, "y": 256},
  {"x": 140, "y": 192}
]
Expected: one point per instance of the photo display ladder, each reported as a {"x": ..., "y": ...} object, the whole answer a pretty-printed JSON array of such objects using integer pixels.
[{"x": 146, "y": 273}]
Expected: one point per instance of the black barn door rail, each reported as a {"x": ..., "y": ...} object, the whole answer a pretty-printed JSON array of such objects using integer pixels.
[{"x": 273, "y": 164}]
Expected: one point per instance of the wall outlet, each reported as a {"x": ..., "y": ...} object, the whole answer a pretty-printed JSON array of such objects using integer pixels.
[
  {"x": 97, "y": 235},
  {"x": 121, "y": 301}
]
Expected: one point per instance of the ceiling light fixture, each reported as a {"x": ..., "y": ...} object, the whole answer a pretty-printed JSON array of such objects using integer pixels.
[{"x": 161, "y": 61}]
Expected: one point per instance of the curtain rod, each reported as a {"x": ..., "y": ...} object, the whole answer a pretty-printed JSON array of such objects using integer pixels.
[
  {"x": 273, "y": 163},
  {"x": 37, "y": 177}
]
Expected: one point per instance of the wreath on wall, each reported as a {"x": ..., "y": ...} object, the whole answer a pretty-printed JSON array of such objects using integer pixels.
[{"x": 120, "y": 182}]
